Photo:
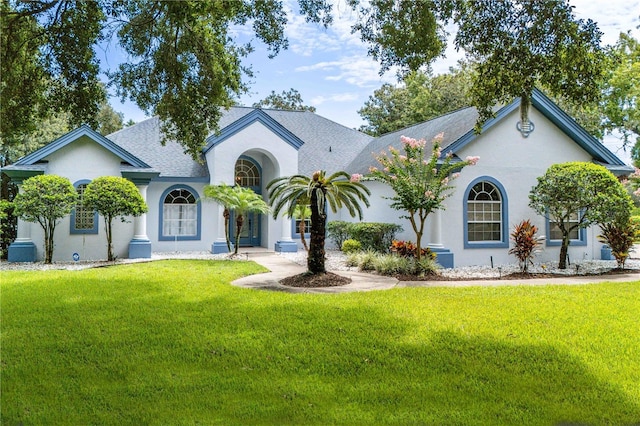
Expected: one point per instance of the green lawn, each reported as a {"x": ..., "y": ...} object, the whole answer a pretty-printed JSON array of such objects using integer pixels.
[{"x": 172, "y": 342}]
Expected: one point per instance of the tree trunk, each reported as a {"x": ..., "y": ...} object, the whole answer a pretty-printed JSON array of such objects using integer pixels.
[
  {"x": 107, "y": 227},
  {"x": 562, "y": 263},
  {"x": 301, "y": 229},
  {"x": 315, "y": 258},
  {"x": 48, "y": 243},
  {"x": 226, "y": 215},
  {"x": 239, "y": 223}
]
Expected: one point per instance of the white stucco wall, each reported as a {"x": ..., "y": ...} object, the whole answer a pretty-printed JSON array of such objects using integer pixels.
[
  {"x": 515, "y": 162},
  {"x": 274, "y": 156}
]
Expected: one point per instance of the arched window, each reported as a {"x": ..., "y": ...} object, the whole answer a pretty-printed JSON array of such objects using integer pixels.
[
  {"x": 247, "y": 173},
  {"x": 180, "y": 212},
  {"x": 485, "y": 214},
  {"x": 83, "y": 220}
]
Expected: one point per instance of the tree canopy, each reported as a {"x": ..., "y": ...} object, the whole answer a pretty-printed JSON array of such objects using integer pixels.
[
  {"x": 288, "y": 100},
  {"x": 588, "y": 191},
  {"x": 184, "y": 65},
  {"x": 420, "y": 97}
]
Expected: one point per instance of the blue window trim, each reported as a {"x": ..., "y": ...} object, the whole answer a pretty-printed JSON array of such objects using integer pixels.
[
  {"x": 166, "y": 192},
  {"x": 256, "y": 189},
  {"x": 504, "y": 241},
  {"x": 581, "y": 241},
  {"x": 72, "y": 223},
  {"x": 294, "y": 230}
]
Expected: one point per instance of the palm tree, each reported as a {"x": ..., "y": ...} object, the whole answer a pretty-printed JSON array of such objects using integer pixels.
[
  {"x": 239, "y": 200},
  {"x": 301, "y": 213},
  {"x": 337, "y": 191},
  {"x": 223, "y": 195}
]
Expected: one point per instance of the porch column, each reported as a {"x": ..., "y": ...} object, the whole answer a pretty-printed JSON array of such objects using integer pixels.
[
  {"x": 436, "y": 229},
  {"x": 286, "y": 244},
  {"x": 22, "y": 249},
  {"x": 443, "y": 255},
  {"x": 140, "y": 246},
  {"x": 220, "y": 244}
]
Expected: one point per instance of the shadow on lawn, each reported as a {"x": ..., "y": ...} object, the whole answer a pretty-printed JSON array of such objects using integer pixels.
[{"x": 363, "y": 367}]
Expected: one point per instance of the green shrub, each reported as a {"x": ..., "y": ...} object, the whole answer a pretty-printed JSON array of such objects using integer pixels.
[
  {"x": 351, "y": 246},
  {"x": 367, "y": 260},
  {"x": 427, "y": 265},
  {"x": 374, "y": 235},
  {"x": 389, "y": 264},
  {"x": 338, "y": 232}
]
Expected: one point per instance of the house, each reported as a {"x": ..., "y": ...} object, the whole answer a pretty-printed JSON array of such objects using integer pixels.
[{"x": 255, "y": 146}]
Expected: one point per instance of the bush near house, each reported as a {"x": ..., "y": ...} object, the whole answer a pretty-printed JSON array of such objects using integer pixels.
[
  {"x": 525, "y": 243},
  {"x": 376, "y": 236},
  {"x": 351, "y": 246},
  {"x": 45, "y": 199}
]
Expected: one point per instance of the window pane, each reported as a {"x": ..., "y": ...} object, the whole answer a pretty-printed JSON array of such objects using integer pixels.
[
  {"x": 179, "y": 214},
  {"x": 484, "y": 213}
]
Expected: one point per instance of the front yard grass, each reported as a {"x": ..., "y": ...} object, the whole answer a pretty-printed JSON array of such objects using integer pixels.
[{"x": 172, "y": 342}]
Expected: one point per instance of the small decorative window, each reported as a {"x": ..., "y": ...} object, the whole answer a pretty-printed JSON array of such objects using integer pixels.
[
  {"x": 179, "y": 214},
  {"x": 485, "y": 215},
  {"x": 83, "y": 220},
  {"x": 247, "y": 173}
]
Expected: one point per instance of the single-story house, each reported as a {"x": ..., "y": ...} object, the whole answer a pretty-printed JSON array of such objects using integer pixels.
[{"x": 255, "y": 146}]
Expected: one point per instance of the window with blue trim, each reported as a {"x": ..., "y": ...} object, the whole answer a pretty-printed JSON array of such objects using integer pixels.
[
  {"x": 179, "y": 214},
  {"x": 83, "y": 220},
  {"x": 485, "y": 214},
  {"x": 578, "y": 236}
]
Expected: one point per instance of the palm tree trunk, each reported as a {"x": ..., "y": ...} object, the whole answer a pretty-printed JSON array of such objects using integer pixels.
[
  {"x": 226, "y": 215},
  {"x": 301, "y": 229},
  {"x": 239, "y": 223},
  {"x": 315, "y": 258}
]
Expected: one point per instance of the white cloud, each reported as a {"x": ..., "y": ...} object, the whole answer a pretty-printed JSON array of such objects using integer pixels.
[
  {"x": 337, "y": 97},
  {"x": 358, "y": 71}
]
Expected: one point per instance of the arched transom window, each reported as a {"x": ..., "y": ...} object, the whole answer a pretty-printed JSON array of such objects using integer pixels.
[
  {"x": 484, "y": 213},
  {"x": 247, "y": 173},
  {"x": 179, "y": 213}
]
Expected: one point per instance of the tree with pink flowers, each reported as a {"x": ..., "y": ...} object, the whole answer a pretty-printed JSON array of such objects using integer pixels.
[{"x": 421, "y": 182}]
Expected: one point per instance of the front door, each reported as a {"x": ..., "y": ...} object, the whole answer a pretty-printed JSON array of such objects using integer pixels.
[
  {"x": 250, "y": 234},
  {"x": 248, "y": 175}
]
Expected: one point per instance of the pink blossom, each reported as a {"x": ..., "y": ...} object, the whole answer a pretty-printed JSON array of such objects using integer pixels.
[
  {"x": 438, "y": 137},
  {"x": 455, "y": 176},
  {"x": 637, "y": 192},
  {"x": 434, "y": 171},
  {"x": 373, "y": 169},
  {"x": 402, "y": 158},
  {"x": 472, "y": 160},
  {"x": 355, "y": 177},
  {"x": 438, "y": 152},
  {"x": 445, "y": 181},
  {"x": 386, "y": 169},
  {"x": 429, "y": 194},
  {"x": 450, "y": 154}
]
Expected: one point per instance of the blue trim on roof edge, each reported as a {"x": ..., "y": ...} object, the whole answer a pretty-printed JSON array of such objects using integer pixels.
[
  {"x": 74, "y": 135},
  {"x": 558, "y": 117},
  {"x": 257, "y": 115}
]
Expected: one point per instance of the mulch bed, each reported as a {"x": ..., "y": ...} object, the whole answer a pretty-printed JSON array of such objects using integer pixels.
[
  {"x": 308, "y": 280},
  {"x": 512, "y": 276}
]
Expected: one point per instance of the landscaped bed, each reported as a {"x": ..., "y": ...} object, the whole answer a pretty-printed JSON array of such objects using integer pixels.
[{"x": 171, "y": 342}]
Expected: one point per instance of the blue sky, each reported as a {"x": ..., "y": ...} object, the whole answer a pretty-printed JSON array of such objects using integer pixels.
[{"x": 331, "y": 70}]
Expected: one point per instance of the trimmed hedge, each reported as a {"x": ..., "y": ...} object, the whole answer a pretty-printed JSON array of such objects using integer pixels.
[{"x": 372, "y": 235}]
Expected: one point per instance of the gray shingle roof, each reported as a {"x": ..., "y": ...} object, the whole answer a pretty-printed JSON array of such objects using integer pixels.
[
  {"x": 327, "y": 145},
  {"x": 453, "y": 126}
]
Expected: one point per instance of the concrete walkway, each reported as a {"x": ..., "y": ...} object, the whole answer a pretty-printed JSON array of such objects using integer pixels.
[{"x": 281, "y": 267}]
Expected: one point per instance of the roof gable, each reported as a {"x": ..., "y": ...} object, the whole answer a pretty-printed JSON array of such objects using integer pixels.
[
  {"x": 558, "y": 117},
  {"x": 73, "y": 136},
  {"x": 254, "y": 116}
]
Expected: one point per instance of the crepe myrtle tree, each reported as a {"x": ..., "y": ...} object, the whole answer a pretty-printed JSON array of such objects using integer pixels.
[
  {"x": 45, "y": 199},
  {"x": 113, "y": 196},
  {"x": 587, "y": 190},
  {"x": 421, "y": 183},
  {"x": 321, "y": 191}
]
